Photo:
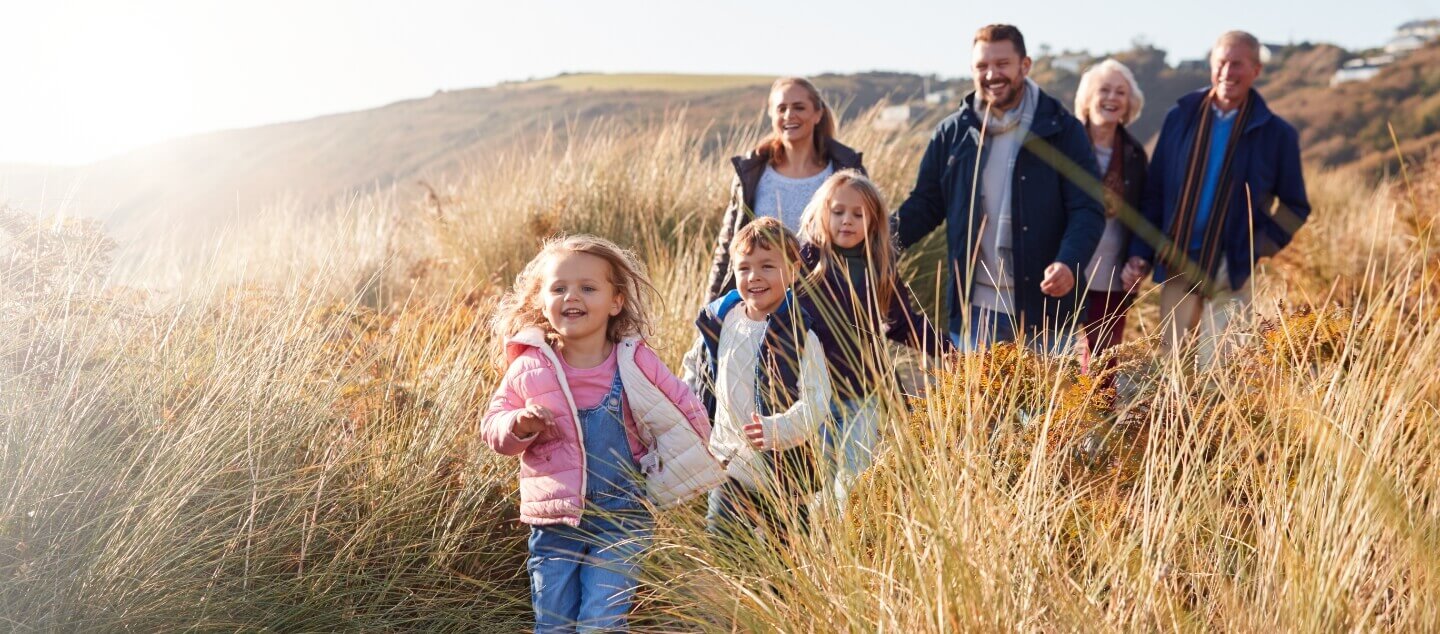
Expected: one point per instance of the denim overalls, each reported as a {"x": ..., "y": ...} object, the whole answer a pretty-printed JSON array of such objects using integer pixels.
[{"x": 583, "y": 578}]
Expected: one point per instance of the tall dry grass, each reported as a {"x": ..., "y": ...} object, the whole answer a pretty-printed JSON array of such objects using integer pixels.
[{"x": 286, "y": 441}]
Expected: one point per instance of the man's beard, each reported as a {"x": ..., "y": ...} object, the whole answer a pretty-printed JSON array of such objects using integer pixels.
[{"x": 1012, "y": 98}]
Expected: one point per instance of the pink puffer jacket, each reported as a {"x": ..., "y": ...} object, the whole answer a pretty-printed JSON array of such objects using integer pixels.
[{"x": 668, "y": 430}]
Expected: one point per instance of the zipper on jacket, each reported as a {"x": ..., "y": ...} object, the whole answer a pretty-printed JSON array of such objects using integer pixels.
[{"x": 575, "y": 419}]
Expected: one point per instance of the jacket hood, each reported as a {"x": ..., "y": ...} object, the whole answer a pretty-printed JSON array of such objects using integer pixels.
[
  {"x": 518, "y": 343},
  {"x": 534, "y": 337},
  {"x": 723, "y": 304}
]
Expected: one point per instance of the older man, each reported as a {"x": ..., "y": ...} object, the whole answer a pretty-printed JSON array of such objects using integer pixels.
[
  {"x": 1225, "y": 188},
  {"x": 1004, "y": 173}
]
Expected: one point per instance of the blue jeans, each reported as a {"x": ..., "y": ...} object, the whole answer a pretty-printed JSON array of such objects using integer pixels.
[
  {"x": 583, "y": 579},
  {"x": 849, "y": 440},
  {"x": 989, "y": 327}
]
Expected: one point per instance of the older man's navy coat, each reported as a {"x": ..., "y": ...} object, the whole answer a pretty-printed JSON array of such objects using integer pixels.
[
  {"x": 1055, "y": 215},
  {"x": 1267, "y": 204}
]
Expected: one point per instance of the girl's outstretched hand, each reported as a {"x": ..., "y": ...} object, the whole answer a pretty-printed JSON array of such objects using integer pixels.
[
  {"x": 533, "y": 420},
  {"x": 755, "y": 432}
]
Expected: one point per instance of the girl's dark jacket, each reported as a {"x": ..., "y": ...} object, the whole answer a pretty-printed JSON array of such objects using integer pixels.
[
  {"x": 748, "y": 170},
  {"x": 848, "y": 331}
]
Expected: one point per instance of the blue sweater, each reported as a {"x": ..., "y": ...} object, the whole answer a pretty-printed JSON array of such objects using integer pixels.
[{"x": 1214, "y": 162}]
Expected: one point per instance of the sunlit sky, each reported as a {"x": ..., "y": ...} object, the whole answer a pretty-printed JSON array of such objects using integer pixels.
[{"x": 86, "y": 80}]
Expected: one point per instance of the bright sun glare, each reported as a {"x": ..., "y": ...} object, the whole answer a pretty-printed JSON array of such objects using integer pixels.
[{"x": 133, "y": 62}]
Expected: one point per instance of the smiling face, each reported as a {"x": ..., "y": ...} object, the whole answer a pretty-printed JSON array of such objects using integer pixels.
[
  {"x": 762, "y": 276},
  {"x": 1000, "y": 73},
  {"x": 793, "y": 114},
  {"x": 847, "y": 220},
  {"x": 578, "y": 297},
  {"x": 1110, "y": 103},
  {"x": 1234, "y": 67}
]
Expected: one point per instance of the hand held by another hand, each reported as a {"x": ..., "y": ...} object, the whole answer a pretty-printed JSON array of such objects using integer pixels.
[{"x": 1134, "y": 272}]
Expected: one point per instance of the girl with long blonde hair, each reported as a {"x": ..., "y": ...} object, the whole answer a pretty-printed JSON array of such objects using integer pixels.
[{"x": 854, "y": 289}]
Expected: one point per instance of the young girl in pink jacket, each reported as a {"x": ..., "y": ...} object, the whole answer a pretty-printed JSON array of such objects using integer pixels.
[{"x": 600, "y": 425}]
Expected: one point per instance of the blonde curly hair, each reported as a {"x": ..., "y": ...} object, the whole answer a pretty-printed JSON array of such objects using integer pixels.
[{"x": 520, "y": 308}]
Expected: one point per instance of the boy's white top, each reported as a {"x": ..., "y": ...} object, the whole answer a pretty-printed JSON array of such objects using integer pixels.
[{"x": 738, "y": 352}]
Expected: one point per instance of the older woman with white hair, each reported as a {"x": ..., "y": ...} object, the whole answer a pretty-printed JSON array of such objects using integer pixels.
[{"x": 1108, "y": 99}]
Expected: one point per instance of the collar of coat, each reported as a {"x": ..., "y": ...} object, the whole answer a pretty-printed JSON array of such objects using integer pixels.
[
  {"x": 727, "y": 302},
  {"x": 534, "y": 337},
  {"x": 840, "y": 154},
  {"x": 1049, "y": 114},
  {"x": 1189, "y": 106}
]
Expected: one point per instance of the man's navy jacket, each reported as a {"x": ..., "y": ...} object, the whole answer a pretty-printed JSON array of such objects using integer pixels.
[{"x": 1055, "y": 216}]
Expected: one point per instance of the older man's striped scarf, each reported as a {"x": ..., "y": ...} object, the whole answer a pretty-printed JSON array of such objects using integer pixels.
[{"x": 1177, "y": 256}]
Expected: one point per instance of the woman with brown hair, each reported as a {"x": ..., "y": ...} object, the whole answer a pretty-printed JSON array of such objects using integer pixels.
[{"x": 778, "y": 178}]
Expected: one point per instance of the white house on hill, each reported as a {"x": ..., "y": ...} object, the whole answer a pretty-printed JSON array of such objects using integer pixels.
[
  {"x": 1409, "y": 37},
  {"x": 1423, "y": 29},
  {"x": 893, "y": 118},
  {"x": 1405, "y": 44}
]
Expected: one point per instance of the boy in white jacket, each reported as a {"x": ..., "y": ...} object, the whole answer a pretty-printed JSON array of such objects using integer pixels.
[{"x": 763, "y": 379}]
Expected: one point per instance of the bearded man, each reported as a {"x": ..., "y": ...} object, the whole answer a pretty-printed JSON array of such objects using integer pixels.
[{"x": 1011, "y": 175}]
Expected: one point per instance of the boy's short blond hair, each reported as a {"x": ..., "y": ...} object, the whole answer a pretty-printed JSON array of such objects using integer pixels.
[{"x": 766, "y": 233}]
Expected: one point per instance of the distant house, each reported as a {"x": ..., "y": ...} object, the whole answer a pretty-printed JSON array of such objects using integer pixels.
[
  {"x": 1267, "y": 52},
  {"x": 1361, "y": 69},
  {"x": 893, "y": 118},
  {"x": 1409, "y": 37},
  {"x": 940, "y": 97},
  {"x": 1426, "y": 30},
  {"x": 1373, "y": 60},
  {"x": 1353, "y": 73},
  {"x": 1413, "y": 35},
  {"x": 1072, "y": 62},
  {"x": 1190, "y": 65},
  {"x": 1405, "y": 44}
]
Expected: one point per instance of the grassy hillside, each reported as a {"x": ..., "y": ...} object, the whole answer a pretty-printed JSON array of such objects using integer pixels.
[
  {"x": 288, "y": 442},
  {"x": 179, "y": 195},
  {"x": 662, "y": 82},
  {"x": 1350, "y": 123}
]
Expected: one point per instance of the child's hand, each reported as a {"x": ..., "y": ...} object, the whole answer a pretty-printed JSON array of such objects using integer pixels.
[
  {"x": 533, "y": 420},
  {"x": 755, "y": 432}
]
